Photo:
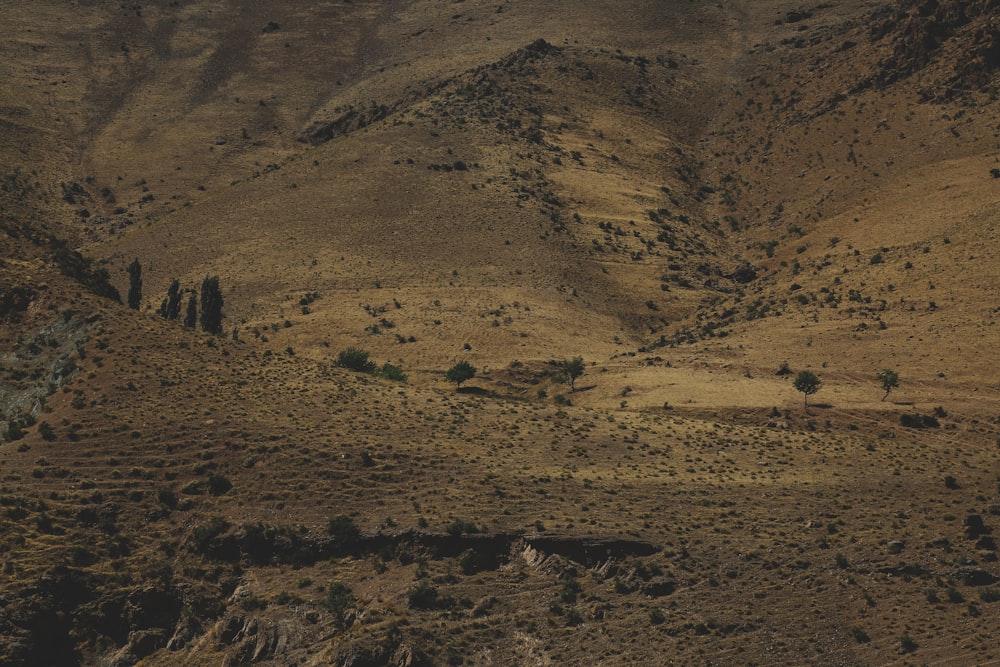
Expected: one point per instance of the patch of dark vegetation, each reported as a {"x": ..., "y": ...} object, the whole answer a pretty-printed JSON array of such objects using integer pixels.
[
  {"x": 262, "y": 544},
  {"x": 919, "y": 421},
  {"x": 71, "y": 263}
]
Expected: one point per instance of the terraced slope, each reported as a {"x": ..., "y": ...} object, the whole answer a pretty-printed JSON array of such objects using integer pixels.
[{"x": 689, "y": 197}]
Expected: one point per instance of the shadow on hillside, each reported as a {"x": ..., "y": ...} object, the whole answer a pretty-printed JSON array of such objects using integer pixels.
[{"x": 474, "y": 391}]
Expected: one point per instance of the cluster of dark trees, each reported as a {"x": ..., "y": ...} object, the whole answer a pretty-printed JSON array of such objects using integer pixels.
[{"x": 170, "y": 309}]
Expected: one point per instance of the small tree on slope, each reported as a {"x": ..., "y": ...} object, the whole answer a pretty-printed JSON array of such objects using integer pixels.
[{"x": 808, "y": 383}]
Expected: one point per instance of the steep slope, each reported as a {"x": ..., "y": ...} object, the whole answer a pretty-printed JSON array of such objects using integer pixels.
[{"x": 686, "y": 195}]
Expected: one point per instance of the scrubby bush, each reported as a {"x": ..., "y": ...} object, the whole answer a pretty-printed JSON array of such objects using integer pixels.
[
  {"x": 355, "y": 359},
  {"x": 422, "y": 596},
  {"x": 918, "y": 421},
  {"x": 390, "y": 372},
  {"x": 338, "y": 598},
  {"x": 344, "y": 532}
]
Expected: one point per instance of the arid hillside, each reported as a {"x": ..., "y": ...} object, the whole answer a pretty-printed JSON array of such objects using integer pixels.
[{"x": 698, "y": 201}]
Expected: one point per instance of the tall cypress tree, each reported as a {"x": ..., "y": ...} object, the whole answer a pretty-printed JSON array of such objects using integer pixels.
[
  {"x": 134, "y": 284},
  {"x": 192, "y": 311},
  {"x": 211, "y": 305},
  {"x": 171, "y": 307}
]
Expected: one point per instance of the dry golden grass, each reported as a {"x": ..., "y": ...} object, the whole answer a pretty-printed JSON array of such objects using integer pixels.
[{"x": 615, "y": 178}]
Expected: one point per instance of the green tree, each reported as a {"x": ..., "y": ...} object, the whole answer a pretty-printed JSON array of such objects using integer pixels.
[
  {"x": 134, "y": 284},
  {"x": 570, "y": 370},
  {"x": 460, "y": 372},
  {"x": 889, "y": 379},
  {"x": 211, "y": 305},
  {"x": 171, "y": 307},
  {"x": 191, "y": 318},
  {"x": 808, "y": 383}
]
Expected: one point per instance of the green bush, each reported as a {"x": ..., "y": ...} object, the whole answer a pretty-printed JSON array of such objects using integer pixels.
[
  {"x": 918, "y": 421},
  {"x": 390, "y": 372},
  {"x": 355, "y": 359},
  {"x": 338, "y": 598},
  {"x": 460, "y": 526},
  {"x": 46, "y": 431},
  {"x": 344, "y": 532},
  {"x": 203, "y": 534},
  {"x": 422, "y": 596},
  {"x": 219, "y": 485}
]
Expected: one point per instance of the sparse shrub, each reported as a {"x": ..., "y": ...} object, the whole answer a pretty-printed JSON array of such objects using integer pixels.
[
  {"x": 989, "y": 594},
  {"x": 203, "y": 534},
  {"x": 46, "y": 431},
  {"x": 355, "y": 359},
  {"x": 390, "y": 372},
  {"x": 338, "y": 598},
  {"x": 253, "y": 602},
  {"x": 13, "y": 431},
  {"x": 570, "y": 588},
  {"x": 906, "y": 644},
  {"x": 284, "y": 597},
  {"x": 462, "y": 526},
  {"x": 860, "y": 636},
  {"x": 167, "y": 497},
  {"x": 344, "y": 531},
  {"x": 219, "y": 485},
  {"x": 422, "y": 596},
  {"x": 573, "y": 617},
  {"x": 918, "y": 421},
  {"x": 468, "y": 561}
]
